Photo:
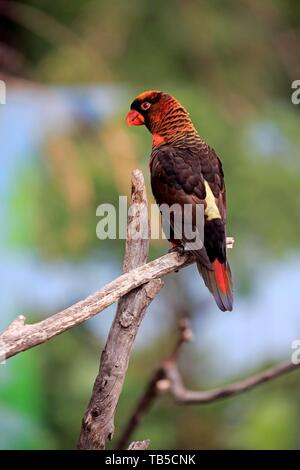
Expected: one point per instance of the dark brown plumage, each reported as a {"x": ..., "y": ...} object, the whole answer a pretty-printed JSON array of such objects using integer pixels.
[{"x": 185, "y": 170}]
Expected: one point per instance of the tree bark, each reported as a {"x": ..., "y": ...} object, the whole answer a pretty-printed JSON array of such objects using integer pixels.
[{"x": 98, "y": 422}]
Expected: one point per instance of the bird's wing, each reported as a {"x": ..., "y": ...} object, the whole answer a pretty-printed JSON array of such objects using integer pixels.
[
  {"x": 193, "y": 176},
  {"x": 176, "y": 178},
  {"x": 215, "y": 222}
]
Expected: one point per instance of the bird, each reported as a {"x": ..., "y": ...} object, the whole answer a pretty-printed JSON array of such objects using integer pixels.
[{"x": 186, "y": 170}]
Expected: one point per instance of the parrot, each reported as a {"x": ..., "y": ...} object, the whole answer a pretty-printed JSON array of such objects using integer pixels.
[{"x": 184, "y": 169}]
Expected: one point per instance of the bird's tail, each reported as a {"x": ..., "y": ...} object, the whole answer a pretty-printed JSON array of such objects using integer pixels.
[{"x": 219, "y": 283}]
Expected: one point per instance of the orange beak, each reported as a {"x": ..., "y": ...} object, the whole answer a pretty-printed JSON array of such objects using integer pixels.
[{"x": 134, "y": 118}]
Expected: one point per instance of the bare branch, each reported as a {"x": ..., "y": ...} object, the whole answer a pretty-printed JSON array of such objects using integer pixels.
[
  {"x": 136, "y": 288},
  {"x": 20, "y": 337},
  {"x": 184, "y": 396},
  {"x": 98, "y": 421},
  {"x": 157, "y": 384},
  {"x": 139, "y": 445}
]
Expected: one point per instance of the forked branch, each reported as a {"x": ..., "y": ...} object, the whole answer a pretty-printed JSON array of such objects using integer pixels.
[{"x": 167, "y": 379}]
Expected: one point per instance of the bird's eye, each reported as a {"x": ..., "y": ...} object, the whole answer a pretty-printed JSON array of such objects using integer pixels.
[{"x": 146, "y": 105}]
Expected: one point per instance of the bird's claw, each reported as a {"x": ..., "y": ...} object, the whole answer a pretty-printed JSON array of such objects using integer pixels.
[{"x": 177, "y": 249}]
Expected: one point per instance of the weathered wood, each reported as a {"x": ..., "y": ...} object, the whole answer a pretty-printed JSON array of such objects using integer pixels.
[
  {"x": 20, "y": 336},
  {"x": 98, "y": 422}
]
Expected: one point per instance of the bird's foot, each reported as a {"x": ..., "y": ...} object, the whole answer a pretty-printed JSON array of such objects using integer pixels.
[{"x": 177, "y": 249}]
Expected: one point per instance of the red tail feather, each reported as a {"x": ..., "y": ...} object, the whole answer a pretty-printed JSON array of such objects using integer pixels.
[{"x": 219, "y": 283}]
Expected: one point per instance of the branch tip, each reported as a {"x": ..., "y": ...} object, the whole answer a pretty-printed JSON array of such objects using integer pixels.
[{"x": 139, "y": 445}]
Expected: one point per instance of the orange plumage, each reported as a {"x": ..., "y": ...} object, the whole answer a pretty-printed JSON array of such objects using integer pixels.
[{"x": 185, "y": 170}]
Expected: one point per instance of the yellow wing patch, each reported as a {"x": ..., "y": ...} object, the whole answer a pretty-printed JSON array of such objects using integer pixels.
[{"x": 211, "y": 210}]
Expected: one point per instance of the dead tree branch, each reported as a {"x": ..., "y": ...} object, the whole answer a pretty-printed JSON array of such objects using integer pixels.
[
  {"x": 98, "y": 422},
  {"x": 156, "y": 385},
  {"x": 136, "y": 288},
  {"x": 167, "y": 378},
  {"x": 20, "y": 336}
]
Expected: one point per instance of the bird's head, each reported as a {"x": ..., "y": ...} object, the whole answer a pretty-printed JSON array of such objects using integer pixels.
[{"x": 162, "y": 114}]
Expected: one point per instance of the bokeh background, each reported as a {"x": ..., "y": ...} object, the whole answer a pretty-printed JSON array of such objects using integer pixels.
[{"x": 71, "y": 69}]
